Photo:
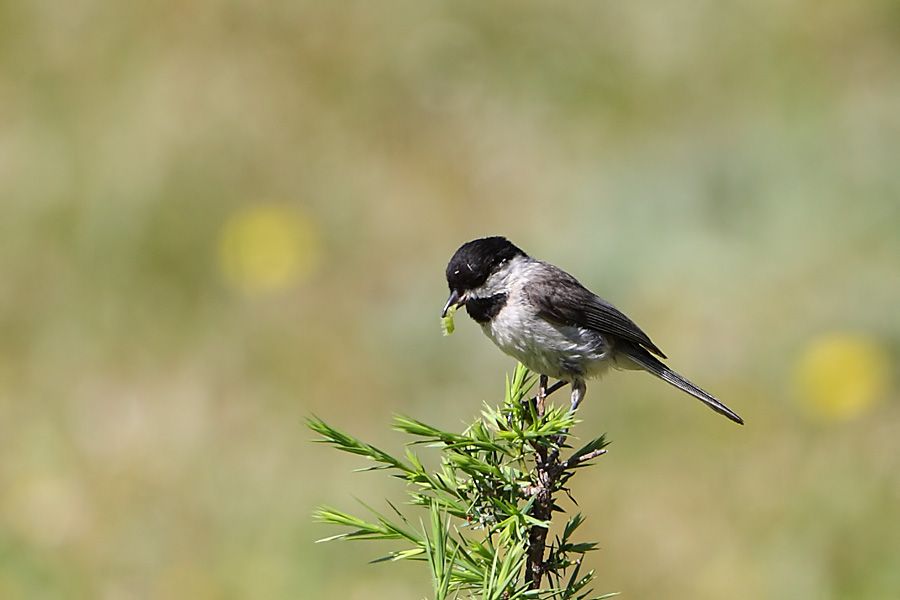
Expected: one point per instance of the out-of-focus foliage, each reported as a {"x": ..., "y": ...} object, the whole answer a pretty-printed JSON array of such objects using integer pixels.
[{"x": 221, "y": 217}]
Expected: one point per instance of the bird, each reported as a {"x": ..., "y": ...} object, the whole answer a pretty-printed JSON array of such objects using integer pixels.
[{"x": 547, "y": 320}]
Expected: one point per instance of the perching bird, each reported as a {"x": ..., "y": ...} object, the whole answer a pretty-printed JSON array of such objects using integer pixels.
[{"x": 547, "y": 320}]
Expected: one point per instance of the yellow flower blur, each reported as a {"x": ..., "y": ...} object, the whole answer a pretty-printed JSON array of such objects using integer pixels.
[
  {"x": 841, "y": 375},
  {"x": 268, "y": 247}
]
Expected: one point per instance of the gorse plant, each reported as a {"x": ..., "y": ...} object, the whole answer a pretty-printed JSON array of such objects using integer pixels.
[{"x": 488, "y": 508}]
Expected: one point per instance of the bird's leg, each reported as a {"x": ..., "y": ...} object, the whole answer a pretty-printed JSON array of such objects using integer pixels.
[
  {"x": 578, "y": 390},
  {"x": 542, "y": 394}
]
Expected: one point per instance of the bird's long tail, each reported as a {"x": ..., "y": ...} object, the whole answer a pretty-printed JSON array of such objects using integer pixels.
[{"x": 650, "y": 363}]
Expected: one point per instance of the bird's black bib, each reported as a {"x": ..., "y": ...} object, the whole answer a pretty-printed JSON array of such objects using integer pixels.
[{"x": 485, "y": 309}]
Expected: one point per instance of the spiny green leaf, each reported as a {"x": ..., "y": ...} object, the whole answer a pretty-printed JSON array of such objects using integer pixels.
[
  {"x": 347, "y": 443},
  {"x": 480, "y": 507}
]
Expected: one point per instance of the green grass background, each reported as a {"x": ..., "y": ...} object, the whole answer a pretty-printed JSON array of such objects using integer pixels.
[{"x": 726, "y": 172}]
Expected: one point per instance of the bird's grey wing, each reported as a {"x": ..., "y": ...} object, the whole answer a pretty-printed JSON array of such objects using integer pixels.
[{"x": 560, "y": 298}]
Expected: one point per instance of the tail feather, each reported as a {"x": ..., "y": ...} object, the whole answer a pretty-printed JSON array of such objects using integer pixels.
[{"x": 653, "y": 365}]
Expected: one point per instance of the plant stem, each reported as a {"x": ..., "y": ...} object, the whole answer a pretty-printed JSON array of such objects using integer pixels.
[
  {"x": 541, "y": 509},
  {"x": 547, "y": 471}
]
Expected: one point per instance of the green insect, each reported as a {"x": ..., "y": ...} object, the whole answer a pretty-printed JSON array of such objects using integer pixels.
[{"x": 447, "y": 326}]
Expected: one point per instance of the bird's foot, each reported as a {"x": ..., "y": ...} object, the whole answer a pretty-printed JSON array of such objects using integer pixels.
[
  {"x": 578, "y": 390},
  {"x": 542, "y": 394},
  {"x": 574, "y": 406}
]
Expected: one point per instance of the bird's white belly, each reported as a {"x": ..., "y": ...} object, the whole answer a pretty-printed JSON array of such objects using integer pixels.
[{"x": 561, "y": 352}]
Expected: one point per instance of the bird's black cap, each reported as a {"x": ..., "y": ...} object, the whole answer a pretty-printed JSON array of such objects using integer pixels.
[{"x": 475, "y": 261}]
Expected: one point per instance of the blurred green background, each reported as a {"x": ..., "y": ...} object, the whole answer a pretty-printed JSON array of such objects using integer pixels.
[{"x": 221, "y": 217}]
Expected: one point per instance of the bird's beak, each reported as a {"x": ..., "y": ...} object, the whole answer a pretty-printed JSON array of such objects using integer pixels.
[{"x": 455, "y": 299}]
